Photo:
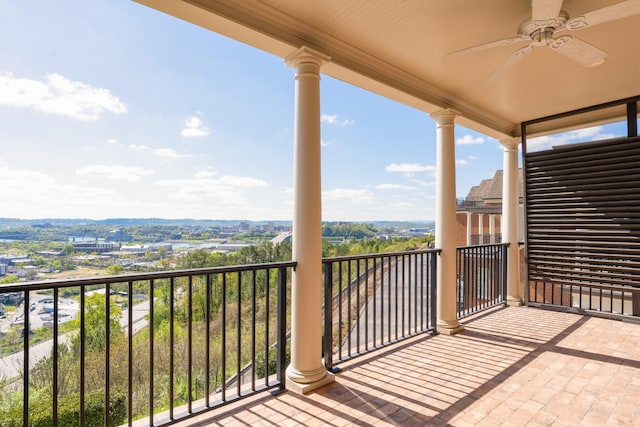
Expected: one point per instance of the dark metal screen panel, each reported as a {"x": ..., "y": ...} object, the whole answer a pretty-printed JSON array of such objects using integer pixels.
[{"x": 583, "y": 214}]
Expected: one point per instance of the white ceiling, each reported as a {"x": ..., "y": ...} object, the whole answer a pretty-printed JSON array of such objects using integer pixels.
[{"x": 400, "y": 49}]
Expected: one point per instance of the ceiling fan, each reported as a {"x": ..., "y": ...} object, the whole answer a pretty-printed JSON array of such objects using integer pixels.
[{"x": 547, "y": 19}]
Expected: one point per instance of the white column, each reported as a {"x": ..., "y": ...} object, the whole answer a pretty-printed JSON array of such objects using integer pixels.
[
  {"x": 306, "y": 371},
  {"x": 469, "y": 225},
  {"x": 481, "y": 229},
  {"x": 509, "y": 226},
  {"x": 446, "y": 304},
  {"x": 492, "y": 228}
]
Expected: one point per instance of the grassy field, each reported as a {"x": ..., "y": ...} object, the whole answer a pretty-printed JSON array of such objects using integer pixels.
[{"x": 79, "y": 272}]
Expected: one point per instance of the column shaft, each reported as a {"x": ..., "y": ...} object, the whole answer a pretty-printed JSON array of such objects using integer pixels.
[
  {"x": 307, "y": 370},
  {"x": 510, "y": 202},
  {"x": 492, "y": 228},
  {"x": 446, "y": 305}
]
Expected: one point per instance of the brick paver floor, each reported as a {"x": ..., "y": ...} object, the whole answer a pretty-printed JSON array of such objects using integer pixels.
[{"x": 512, "y": 366}]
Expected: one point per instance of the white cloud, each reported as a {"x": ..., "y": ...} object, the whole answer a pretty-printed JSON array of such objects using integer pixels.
[
  {"x": 115, "y": 172},
  {"x": 423, "y": 183},
  {"x": 169, "y": 153},
  {"x": 325, "y": 143},
  {"x": 462, "y": 162},
  {"x": 582, "y": 135},
  {"x": 409, "y": 169},
  {"x": 332, "y": 119},
  {"x": 402, "y": 206},
  {"x": 59, "y": 95},
  {"x": 33, "y": 194},
  {"x": 470, "y": 140},
  {"x": 394, "y": 187},
  {"x": 194, "y": 127},
  {"x": 112, "y": 141},
  {"x": 207, "y": 185},
  {"x": 357, "y": 196}
]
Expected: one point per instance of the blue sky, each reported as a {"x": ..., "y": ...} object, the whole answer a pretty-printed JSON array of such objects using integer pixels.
[{"x": 111, "y": 109}]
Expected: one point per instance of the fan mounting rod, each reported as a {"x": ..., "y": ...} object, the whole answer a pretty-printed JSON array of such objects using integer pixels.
[{"x": 541, "y": 32}]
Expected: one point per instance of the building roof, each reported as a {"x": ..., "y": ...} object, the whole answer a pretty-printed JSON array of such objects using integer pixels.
[{"x": 488, "y": 194}]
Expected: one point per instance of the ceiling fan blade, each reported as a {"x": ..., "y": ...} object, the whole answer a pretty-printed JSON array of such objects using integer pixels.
[
  {"x": 606, "y": 14},
  {"x": 578, "y": 50},
  {"x": 506, "y": 65},
  {"x": 545, "y": 10},
  {"x": 485, "y": 46}
]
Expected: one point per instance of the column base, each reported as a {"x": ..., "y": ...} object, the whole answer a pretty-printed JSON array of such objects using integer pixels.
[
  {"x": 449, "y": 327},
  {"x": 304, "y": 388},
  {"x": 514, "y": 301}
]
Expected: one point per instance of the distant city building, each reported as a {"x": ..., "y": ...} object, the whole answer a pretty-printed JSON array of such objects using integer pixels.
[{"x": 97, "y": 246}]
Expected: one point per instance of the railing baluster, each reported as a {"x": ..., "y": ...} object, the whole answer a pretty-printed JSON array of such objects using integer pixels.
[
  {"x": 130, "y": 353},
  {"x": 190, "y": 344},
  {"x": 396, "y": 295},
  {"x": 55, "y": 358},
  {"x": 238, "y": 333},
  {"x": 82, "y": 353},
  {"x": 281, "y": 322},
  {"x": 374, "y": 306},
  {"x": 266, "y": 327},
  {"x": 223, "y": 341},
  {"x": 172, "y": 349},
  {"x": 26, "y": 328},
  {"x": 357, "y": 313},
  {"x": 151, "y": 358},
  {"x": 433, "y": 264},
  {"x": 328, "y": 315},
  {"x": 253, "y": 330},
  {"x": 367, "y": 282},
  {"x": 349, "y": 322},
  {"x": 340, "y": 264},
  {"x": 207, "y": 342},
  {"x": 107, "y": 351}
]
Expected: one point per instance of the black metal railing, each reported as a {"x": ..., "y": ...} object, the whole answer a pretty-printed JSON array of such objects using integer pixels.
[
  {"x": 481, "y": 274},
  {"x": 591, "y": 298},
  {"x": 375, "y": 300},
  {"x": 164, "y": 346}
]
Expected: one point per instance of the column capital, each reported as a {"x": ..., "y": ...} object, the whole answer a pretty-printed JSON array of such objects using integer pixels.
[
  {"x": 306, "y": 54},
  {"x": 445, "y": 117},
  {"x": 510, "y": 144}
]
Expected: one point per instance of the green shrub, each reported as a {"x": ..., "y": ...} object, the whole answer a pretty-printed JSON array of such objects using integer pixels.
[
  {"x": 273, "y": 361},
  {"x": 40, "y": 411}
]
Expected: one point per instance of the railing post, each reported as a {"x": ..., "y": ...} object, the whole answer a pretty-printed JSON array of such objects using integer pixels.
[
  {"x": 55, "y": 357},
  {"x": 505, "y": 261},
  {"x": 25, "y": 351},
  {"x": 83, "y": 350},
  {"x": 282, "y": 327},
  {"x": 107, "y": 351},
  {"x": 433, "y": 260},
  {"x": 328, "y": 316}
]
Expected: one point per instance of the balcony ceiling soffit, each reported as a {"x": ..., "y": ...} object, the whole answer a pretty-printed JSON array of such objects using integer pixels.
[{"x": 401, "y": 50}]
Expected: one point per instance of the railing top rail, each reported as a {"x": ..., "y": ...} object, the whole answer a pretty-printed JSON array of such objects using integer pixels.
[
  {"x": 132, "y": 277},
  {"x": 485, "y": 245},
  {"x": 379, "y": 255}
]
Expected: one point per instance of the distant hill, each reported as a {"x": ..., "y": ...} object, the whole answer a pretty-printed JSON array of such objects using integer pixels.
[
  {"x": 40, "y": 222},
  {"x": 47, "y": 222}
]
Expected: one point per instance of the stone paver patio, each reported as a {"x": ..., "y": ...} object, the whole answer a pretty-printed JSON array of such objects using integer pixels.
[{"x": 513, "y": 366}]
